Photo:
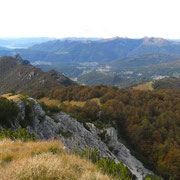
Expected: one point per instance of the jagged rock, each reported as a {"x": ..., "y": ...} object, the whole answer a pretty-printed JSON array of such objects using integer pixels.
[
  {"x": 123, "y": 154},
  {"x": 45, "y": 127},
  {"x": 18, "y": 57}
]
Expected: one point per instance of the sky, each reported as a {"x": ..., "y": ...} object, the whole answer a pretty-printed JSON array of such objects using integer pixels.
[{"x": 90, "y": 18}]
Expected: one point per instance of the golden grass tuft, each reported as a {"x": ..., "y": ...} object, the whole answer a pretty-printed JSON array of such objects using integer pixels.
[
  {"x": 50, "y": 102},
  {"x": 56, "y": 102},
  {"x": 10, "y": 96},
  {"x": 44, "y": 161}
]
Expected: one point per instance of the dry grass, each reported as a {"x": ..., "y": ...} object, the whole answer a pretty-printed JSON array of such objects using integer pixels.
[
  {"x": 50, "y": 102},
  {"x": 43, "y": 161},
  {"x": 10, "y": 96},
  {"x": 144, "y": 87},
  {"x": 56, "y": 102}
]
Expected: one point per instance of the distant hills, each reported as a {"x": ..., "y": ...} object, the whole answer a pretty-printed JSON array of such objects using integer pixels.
[
  {"x": 167, "y": 83},
  {"x": 148, "y": 58},
  {"x": 104, "y": 50},
  {"x": 19, "y": 75},
  {"x": 108, "y": 79}
]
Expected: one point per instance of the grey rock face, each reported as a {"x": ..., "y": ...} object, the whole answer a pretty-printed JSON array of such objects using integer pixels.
[
  {"x": 123, "y": 154},
  {"x": 74, "y": 135}
]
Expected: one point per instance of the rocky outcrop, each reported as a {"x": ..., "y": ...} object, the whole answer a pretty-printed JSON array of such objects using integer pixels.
[
  {"x": 74, "y": 135},
  {"x": 123, "y": 154}
]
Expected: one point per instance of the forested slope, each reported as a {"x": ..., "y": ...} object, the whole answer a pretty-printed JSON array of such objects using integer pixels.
[{"x": 149, "y": 120}]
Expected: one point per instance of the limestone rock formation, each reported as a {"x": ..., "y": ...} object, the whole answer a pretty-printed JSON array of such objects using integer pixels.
[{"x": 74, "y": 135}]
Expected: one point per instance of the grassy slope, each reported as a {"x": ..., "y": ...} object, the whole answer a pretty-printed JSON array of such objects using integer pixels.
[
  {"x": 55, "y": 102},
  {"x": 43, "y": 160},
  {"x": 144, "y": 87}
]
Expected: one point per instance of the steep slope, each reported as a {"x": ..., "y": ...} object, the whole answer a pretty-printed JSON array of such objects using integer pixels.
[
  {"x": 84, "y": 51},
  {"x": 148, "y": 120},
  {"x": 74, "y": 135},
  {"x": 44, "y": 160},
  {"x": 148, "y": 59},
  {"x": 21, "y": 76},
  {"x": 156, "y": 45}
]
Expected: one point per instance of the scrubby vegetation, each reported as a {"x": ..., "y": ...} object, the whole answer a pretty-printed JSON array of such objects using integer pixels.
[
  {"x": 107, "y": 165},
  {"x": 8, "y": 112},
  {"x": 17, "y": 134},
  {"x": 148, "y": 120}
]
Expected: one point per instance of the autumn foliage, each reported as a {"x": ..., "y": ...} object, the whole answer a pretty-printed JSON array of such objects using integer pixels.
[{"x": 149, "y": 120}]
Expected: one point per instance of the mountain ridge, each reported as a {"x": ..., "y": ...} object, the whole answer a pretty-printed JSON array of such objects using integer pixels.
[{"x": 28, "y": 79}]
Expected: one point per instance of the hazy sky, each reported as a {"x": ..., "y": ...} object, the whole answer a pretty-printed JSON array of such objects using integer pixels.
[{"x": 90, "y": 18}]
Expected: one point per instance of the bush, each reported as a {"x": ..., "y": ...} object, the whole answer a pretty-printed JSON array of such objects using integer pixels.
[
  {"x": 8, "y": 112},
  {"x": 152, "y": 177},
  {"x": 50, "y": 109},
  {"x": 17, "y": 134},
  {"x": 12, "y": 91},
  {"x": 107, "y": 165},
  {"x": 115, "y": 170},
  {"x": 66, "y": 134}
]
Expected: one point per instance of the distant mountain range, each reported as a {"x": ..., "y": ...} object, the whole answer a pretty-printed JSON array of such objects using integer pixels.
[
  {"x": 127, "y": 58},
  {"x": 103, "y": 50},
  {"x": 19, "y": 75}
]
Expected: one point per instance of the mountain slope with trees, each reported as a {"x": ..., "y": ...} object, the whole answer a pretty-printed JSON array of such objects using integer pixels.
[
  {"x": 148, "y": 120},
  {"x": 19, "y": 75}
]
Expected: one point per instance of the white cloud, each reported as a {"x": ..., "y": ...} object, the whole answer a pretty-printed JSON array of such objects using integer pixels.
[{"x": 90, "y": 18}]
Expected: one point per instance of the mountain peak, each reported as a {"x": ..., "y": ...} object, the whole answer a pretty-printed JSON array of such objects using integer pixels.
[
  {"x": 110, "y": 39},
  {"x": 155, "y": 41}
]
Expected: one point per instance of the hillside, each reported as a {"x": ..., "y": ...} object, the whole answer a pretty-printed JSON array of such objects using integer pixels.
[
  {"x": 167, "y": 83},
  {"x": 142, "y": 60},
  {"x": 19, "y": 75},
  {"x": 44, "y": 160},
  {"x": 75, "y": 57},
  {"x": 108, "y": 79},
  {"x": 43, "y": 122},
  {"x": 148, "y": 121},
  {"x": 170, "y": 69}
]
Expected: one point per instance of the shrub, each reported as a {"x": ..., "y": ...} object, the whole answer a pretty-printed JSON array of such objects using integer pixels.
[
  {"x": 107, "y": 165},
  {"x": 50, "y": 109},
  {"x": 115, "y": 170},
  {"x": 12, "y": 91},
  {"x": 17, "y": 134},
  {"x": 66, "y": 134},
  {"x": 8, "y": 112},
  {"x": 152, "y": 177}
]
